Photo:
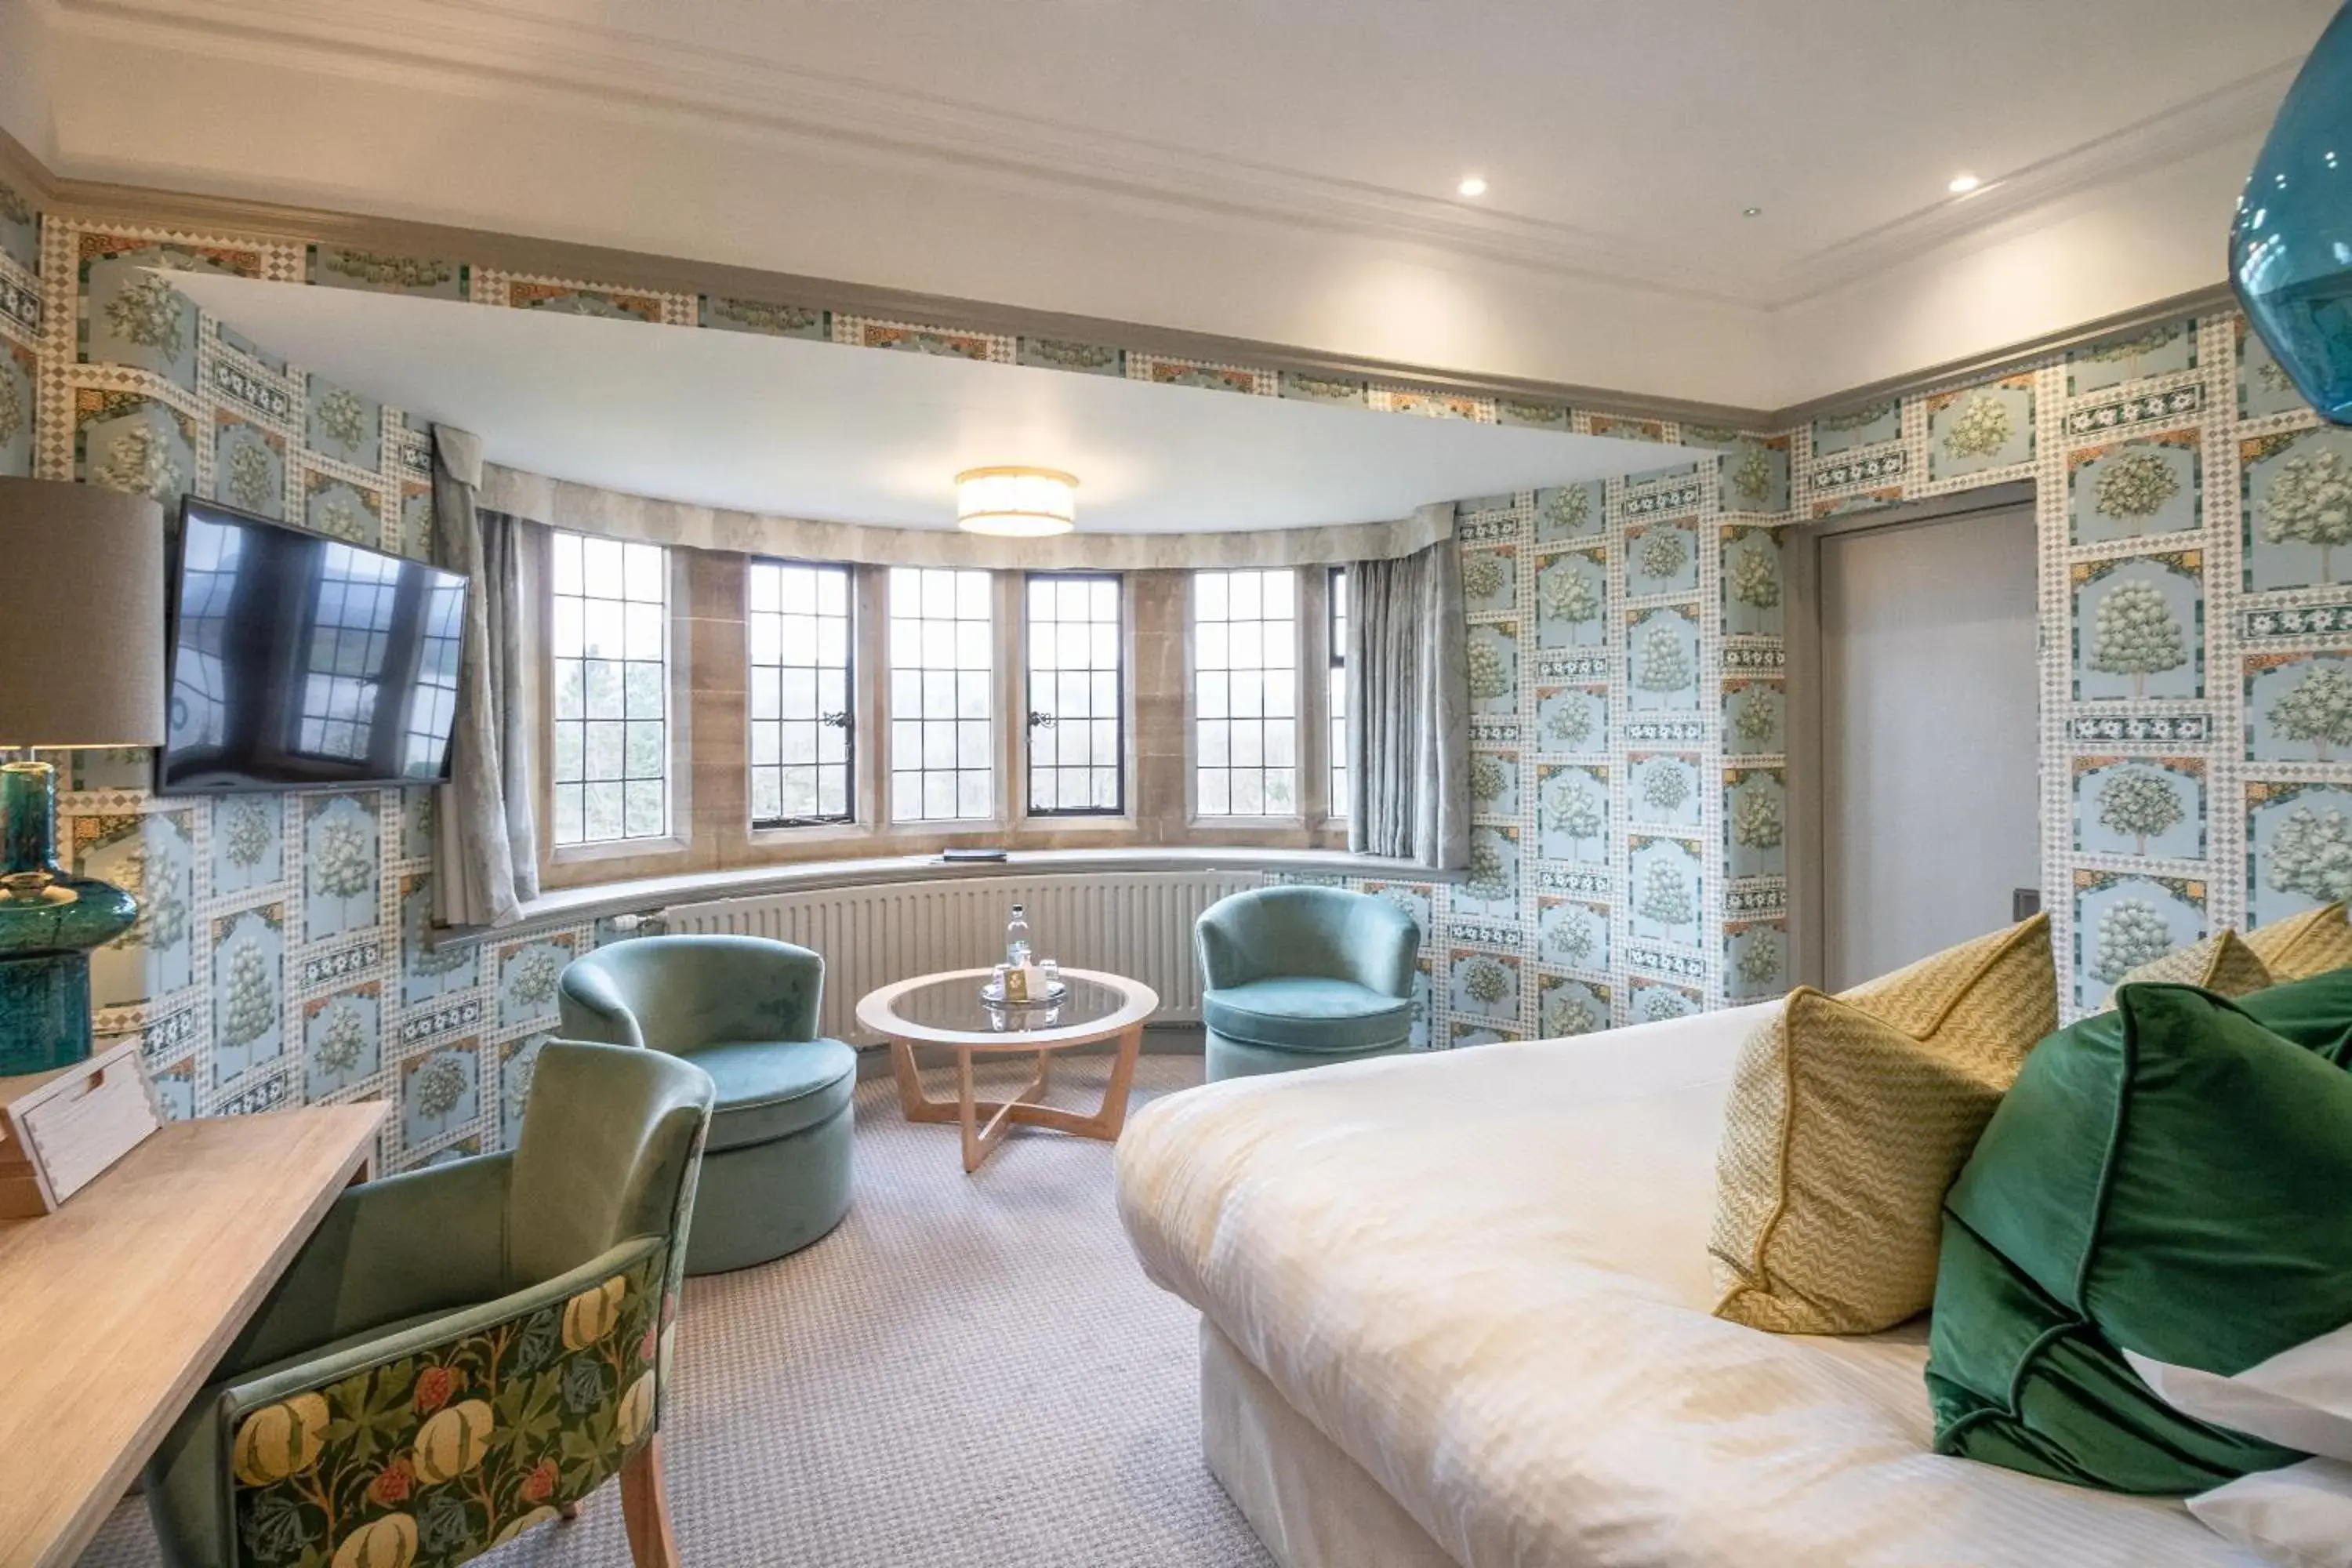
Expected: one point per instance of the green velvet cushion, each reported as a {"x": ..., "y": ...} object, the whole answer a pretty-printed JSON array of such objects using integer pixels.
[
  {"x": 2169, "y": 1177},
  {"x": 2315, "y": 1014},
  {"x": 768, "y": 1089},
  {"x": 1306, "y": 1015}
]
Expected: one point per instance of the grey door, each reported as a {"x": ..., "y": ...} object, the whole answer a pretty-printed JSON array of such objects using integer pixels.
[{"x": 1928, "y": 736}]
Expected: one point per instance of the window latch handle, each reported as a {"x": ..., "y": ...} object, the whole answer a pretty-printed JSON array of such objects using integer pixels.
[
  {"x": 836, "y": 722},
  {"x": 1040, "y": 721}
]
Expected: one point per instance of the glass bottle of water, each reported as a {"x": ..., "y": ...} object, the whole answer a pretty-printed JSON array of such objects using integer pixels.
[{"x": 1016, "y": 938}]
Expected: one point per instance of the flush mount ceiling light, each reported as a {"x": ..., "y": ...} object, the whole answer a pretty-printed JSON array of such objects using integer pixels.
[
  {"x": 1472, "y": 185},
  {"x": 1017, "y": 502},
  {"x": 1751, "y": 212},
  {"x": 1961, "y": 184}
]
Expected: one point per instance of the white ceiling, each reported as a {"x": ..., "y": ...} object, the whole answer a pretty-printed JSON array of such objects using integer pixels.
[
  {"x": 815, "y": 431},
  {"x": 1282, "y": 173},
  {"x": 1625, "y": 138}
]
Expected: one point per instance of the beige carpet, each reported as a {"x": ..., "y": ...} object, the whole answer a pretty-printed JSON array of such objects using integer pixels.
[{"x": 970, "y": 1371}]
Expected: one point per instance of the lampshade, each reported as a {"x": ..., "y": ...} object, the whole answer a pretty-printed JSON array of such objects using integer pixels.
[
  {"x": 1020, "y": 502},
  {"x": 2291, "y": 247},
  {"x": 81, "y": 617}
]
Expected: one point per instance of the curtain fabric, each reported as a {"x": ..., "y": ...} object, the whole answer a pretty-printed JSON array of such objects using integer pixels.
[
  {"x": 485, "y": 840},
  {"x": 1409, "y": 708}
]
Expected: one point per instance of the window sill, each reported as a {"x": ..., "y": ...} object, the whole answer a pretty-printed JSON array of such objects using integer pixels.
[{"x": 647, "y": 894}]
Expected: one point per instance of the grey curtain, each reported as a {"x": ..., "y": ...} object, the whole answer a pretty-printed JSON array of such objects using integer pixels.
[
  {"x": 485, "y": 841},
  {"x": 1409, "y": 708}
]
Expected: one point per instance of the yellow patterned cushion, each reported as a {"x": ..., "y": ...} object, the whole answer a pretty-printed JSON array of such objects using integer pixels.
[
  {"x": 1849, "y": 1117},
  {"x": 2303, "y": 945},
  {"x": 2223, "y": 964}
]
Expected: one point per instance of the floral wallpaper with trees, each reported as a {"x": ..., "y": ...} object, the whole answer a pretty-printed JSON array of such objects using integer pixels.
[{"x": 278, "y": 957}]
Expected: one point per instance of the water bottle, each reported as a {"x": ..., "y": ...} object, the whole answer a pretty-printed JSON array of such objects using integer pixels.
[{"x": 1016, "y": 938}]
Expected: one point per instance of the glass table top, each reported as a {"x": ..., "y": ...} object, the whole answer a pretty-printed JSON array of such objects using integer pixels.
[{"x": 953, "y": 1003}]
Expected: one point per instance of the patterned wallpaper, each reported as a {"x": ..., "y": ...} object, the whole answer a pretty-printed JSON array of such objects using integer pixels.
[
  {"x": 1627, "y": 660},
  {"x": 276, "y": 959},
  {"x": 2196, "y": 700},
  {"x": 2196, "y": 704},
  {"x": 1628, "y": 856}
]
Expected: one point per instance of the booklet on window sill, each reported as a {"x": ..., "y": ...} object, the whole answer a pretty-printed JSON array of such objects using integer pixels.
[{"x": 956, "y": 857}]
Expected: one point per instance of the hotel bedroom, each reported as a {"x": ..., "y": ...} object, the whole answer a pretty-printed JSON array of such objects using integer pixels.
[{"x": 1081, "y": 784}]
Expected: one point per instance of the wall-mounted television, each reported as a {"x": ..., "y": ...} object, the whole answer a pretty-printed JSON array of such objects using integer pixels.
[{"x": 304, "y": 662}]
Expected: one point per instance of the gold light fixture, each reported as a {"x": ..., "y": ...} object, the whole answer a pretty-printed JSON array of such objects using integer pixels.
[{"x": 1017, "y": 502}]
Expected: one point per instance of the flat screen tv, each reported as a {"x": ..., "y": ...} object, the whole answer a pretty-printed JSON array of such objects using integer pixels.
[{"x": 301, "y": 662}]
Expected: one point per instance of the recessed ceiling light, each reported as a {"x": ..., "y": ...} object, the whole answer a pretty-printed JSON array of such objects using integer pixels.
[
  {"x": 1963, "y": 184},
  {"x": 1472, "y": 185},
  {"x": 1751, "y": 212}
]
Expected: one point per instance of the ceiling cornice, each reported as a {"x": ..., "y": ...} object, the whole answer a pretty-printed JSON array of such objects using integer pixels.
[
  {"x": 27, "y": 172},
  {"x": 99, "y": 201},
  {"x": 103, "y": 202},
  {"x": 477, "y": 46},
  {"x": 2241, "y": 109}
]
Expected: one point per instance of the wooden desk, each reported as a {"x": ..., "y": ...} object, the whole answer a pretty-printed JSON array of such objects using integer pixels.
[{"x": 114, "y": 1308}]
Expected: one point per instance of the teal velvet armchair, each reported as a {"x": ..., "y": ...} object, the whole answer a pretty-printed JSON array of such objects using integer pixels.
[
  {"x": 1299, "y": 977},
  {"x": 462, "y": 1353},
  {"x": 744, "y": 1009}
]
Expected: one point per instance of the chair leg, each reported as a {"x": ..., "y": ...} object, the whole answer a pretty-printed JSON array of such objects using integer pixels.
[
  {"x": 567, "y": 1511},
  {"x": 644, "y": 1507}
]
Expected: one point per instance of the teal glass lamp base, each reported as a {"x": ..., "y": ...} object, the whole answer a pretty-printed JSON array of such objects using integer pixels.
[
  {"x": 44, "y": 1013},
  {"x": 48, "y": 922}
]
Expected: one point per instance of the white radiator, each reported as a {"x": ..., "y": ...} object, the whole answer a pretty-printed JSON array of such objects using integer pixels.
[{"x": 1139, "y": 924}]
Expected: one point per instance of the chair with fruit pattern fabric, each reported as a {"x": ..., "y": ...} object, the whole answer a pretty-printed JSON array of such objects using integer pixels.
[{"x": 462, "y": 1353}]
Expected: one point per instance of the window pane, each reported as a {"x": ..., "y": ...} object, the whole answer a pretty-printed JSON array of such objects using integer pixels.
[
  {"x": 609, "y": 626},
  {"x": 942, "y": 702},
  {"x": 1245, "y": 692},
  {"x": 1075, "y": 690},
  {"x": 798, "y": 634}
]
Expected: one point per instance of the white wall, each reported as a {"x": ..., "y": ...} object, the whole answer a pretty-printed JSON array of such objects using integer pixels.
[{"x": 2159, "y": 235}]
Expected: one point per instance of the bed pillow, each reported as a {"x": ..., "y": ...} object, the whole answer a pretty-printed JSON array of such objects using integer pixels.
[
  {"x": 1849, "y": 1116},
  {"x": 2315, "y": 1014},
  {"x": 2168, "y": 1178},
  {"x": 2305, "y": 944},
  {"x": 2223, "y": 964}
]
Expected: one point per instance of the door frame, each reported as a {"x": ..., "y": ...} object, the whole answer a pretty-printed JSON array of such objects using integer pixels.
[{"x": 1808, "y": 878}]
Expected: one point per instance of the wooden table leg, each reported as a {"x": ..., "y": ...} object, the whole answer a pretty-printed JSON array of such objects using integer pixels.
[
  {"x": 644, "y": 1507},
  {"x": 968, "y": 1114},
  {"x": 983, "y": 1123},
  {"x": 1113, "y": 1115}
]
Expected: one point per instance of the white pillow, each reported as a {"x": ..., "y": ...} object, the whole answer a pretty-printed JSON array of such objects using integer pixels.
[{"x": 2299, "y": 1517}]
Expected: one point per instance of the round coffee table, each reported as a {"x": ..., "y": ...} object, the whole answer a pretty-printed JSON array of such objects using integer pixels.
[{"x": 946, "y": 1010}]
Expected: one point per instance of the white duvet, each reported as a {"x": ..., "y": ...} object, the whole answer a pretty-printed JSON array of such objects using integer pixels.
[{"x": 1483, "y": 1275}]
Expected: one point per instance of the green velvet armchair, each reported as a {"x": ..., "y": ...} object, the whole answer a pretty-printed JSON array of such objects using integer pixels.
[
  {"x": 744, "y": 1009},
  {"x": 462, "y": 1353},
  {"x": 1298, "y": 976}
]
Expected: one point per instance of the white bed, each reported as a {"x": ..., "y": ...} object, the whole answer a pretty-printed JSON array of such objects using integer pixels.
[{"x": 1455, "y": 1310}]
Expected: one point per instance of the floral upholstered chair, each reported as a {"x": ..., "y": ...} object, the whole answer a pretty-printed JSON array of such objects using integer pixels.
[{"x": 462, "y": 1353}]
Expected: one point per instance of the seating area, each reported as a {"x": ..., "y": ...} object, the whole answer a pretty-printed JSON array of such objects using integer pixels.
[
  {"x": 1298, "y": 978},
  {"x": 1058, "y": 785},
  {"x": 775, "y": 1166}
]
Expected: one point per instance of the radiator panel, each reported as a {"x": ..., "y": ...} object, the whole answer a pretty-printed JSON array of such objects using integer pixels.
[{"x": 1139, "y": 924}]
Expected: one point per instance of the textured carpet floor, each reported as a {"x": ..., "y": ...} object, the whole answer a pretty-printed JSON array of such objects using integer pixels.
[{"x": 971, "y": 1370}]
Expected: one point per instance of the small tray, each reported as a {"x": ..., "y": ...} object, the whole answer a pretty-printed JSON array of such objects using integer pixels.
[{"x": 1057, "y": 993}]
